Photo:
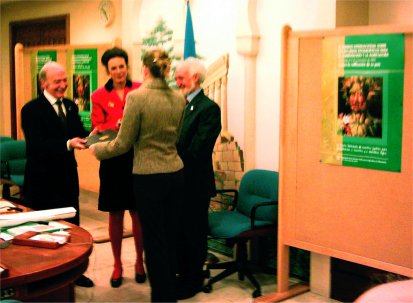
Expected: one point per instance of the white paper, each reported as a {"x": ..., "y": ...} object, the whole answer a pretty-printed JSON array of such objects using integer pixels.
[
  {"x": 52, "y": 226},
  {"x": 6, "y": 237},
  {"x": 40, "y": 215},
  {"x": 49, "y": 238},
  {"x": 4, "y": 204}
]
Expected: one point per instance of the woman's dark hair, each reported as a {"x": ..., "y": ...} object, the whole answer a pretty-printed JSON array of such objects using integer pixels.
[
  {"x": 158, "y": 62},
  {"x": 112, "y": 53}
]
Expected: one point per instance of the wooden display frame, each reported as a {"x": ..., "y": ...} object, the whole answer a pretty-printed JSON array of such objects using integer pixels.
[{"x": 370, "y": 224}]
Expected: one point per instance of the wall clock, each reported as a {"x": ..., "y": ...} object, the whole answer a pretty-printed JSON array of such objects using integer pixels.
[{"x": 106, "y": 12}]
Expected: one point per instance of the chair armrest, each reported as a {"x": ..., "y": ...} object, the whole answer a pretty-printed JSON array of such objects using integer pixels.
[
  {"x": 6, "y": 181},
  {"x": 228, "y": 200},
  {"x": 255, "y": 207}
]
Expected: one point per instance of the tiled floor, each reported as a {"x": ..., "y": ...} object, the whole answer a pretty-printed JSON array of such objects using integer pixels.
[{"x": 100, "y": 269}]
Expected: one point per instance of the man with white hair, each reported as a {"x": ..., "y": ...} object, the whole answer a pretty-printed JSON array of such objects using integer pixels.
[{"x": 201, "y": 127}]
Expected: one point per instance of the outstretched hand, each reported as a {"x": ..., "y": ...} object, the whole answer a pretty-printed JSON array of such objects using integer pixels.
[{"x": 77, "y": 143}]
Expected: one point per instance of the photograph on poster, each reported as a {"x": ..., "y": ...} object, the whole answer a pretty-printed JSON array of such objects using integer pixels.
[
  {"x": 360, "y": 106},
  {"x": 81, "y": 91}
]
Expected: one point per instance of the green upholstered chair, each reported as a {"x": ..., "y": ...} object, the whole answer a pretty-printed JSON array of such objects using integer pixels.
[
  {"x": 5, "y": 138},
  {"x": 13, "y": 164},
  {"x": 252, "y": 215}
]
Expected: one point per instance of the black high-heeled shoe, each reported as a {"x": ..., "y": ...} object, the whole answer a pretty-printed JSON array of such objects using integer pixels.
[
  {"x": 140, "y": 278},
  {"x": 115, "y": 283}
]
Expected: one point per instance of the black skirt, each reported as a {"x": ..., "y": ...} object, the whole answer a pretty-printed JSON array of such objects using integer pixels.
[{"x": 116, "y": 185}]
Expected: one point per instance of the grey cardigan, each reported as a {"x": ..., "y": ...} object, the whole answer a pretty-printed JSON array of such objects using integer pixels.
[{"x": 151, "y": 122}]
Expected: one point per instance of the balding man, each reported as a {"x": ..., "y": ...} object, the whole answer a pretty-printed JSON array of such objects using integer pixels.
[{"x": 53, "y": 129}]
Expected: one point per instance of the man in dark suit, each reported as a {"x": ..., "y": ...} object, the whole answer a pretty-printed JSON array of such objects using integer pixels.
[
  {"x": 52, "y": 129},
  {"x": 201, "y": 127}
]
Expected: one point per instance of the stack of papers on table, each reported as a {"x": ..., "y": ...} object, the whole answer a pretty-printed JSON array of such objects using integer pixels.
[
  {"x": 52, "y": 226},
  {"x": 9, "y": 220}
]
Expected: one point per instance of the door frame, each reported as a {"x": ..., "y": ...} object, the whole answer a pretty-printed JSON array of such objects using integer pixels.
[{"x": 14, "y": 27}]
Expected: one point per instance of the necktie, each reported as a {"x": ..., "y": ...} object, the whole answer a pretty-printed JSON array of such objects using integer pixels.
[
  {"x": 60, "y": 112},
  {"x": 186, "y": 101}
]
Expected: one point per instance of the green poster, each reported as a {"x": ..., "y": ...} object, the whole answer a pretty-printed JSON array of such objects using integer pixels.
[
  {"x": 84, "y": 81},
  {"x": 39, "y": 59},
  {"x": 363, "y": 101}
]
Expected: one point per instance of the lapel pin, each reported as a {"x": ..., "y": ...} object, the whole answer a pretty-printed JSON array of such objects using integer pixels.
[{"x": 192, "y": 107}]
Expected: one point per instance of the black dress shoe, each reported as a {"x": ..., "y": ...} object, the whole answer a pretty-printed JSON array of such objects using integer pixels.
[
  {"x": 115, "y": 283},
  {"x": 187, "y": 292},
  {"x": 189, "y": 286},
  {"x": 84, "y": 281},
  {"x": 140, "y": 278}
]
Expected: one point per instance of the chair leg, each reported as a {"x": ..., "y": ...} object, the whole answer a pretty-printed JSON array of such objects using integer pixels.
[
  {"x": 243, "y": 268},
  {"x": 230, "y": 269},
  {"x": 222, "y": 265},
  {"x": 6, "y": 191},
  {"x": 250, "y": 276},
  {"x": 242, "y": 259},
  {"x": 240, "y": 265}
]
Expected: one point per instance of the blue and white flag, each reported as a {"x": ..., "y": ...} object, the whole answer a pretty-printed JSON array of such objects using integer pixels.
[{"x": 189, "y": 45}]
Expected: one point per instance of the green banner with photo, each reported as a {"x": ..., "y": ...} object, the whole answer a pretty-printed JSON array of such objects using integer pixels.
[
  {"x": 39, "y": 59},
  {"x": 363, "y": 103},
  {"x": 83, "y": 81}
]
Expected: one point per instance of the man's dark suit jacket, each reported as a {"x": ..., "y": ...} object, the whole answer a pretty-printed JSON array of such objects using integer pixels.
[
  {"x": 51, "y": 179},
  {"x": 202, "y": 125}
]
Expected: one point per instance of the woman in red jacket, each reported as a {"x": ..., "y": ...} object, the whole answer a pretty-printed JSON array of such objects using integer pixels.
[{"x": 116, "y": 189}]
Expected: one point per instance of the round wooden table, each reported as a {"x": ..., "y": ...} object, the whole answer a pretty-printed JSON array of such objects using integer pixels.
[{"x": 46, "y": 275}]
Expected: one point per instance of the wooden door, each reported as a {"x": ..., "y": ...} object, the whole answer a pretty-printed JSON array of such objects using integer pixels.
[{"x": 34, "y": 32}]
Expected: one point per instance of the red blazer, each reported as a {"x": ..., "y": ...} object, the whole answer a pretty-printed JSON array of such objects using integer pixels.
[{"x": 107, "y": 107}]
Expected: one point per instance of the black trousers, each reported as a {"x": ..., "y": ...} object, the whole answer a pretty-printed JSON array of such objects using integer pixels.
[
  {"x": 193, "y": 239},
  {"x": 159, "y": 198}
]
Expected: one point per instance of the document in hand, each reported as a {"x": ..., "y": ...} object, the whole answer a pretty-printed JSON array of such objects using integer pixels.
[{"x": 106, "y": 135}]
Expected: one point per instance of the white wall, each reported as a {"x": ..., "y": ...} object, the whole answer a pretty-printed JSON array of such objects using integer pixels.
[
  {"x": 215, "y": 28},
  {"x": 273, "y": 15}
]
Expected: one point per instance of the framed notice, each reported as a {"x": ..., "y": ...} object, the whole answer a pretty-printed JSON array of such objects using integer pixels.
[
  {"x": 345, "y": 188},
  {"x": 84, "y": 81},
  {"x": 362, "y": 110}
]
